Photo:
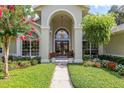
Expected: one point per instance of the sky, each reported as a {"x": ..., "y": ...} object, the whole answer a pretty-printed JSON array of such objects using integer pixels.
[{"x": 99, "y": 9}]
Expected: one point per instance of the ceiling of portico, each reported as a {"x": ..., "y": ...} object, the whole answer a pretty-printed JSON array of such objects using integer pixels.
[{"x": 61, "y": 19}]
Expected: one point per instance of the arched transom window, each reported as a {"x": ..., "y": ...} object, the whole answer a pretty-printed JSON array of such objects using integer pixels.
[
  {"x": 30, "y": 47},
  {"x": 62, "y": 35}
]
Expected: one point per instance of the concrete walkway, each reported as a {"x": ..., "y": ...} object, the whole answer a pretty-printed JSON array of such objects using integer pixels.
[{"x": 61, "y": 78}]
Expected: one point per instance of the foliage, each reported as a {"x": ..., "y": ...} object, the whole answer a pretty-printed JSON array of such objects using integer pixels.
[
  {"x": 14, "y": 22},
  {"x": 118, "y": 67},
  {"x": 121, "y": 71},
  {"x": 86, "y": 57},
  {"x": 88, "y": 63},
  {"x": 97, "y": 64},
  {"x": 91, "y": 64},
  {"x": 38, "y": 59},
  {"x": 34, "y": 62},
  {"x": 119, "y": 11},
  {"x": 38, "y": 76},
  {"x": 91, "y": 77},
  {"x": 20, "y": 58},
  {"x": 117, "y": 59},
  {"x": 95, "y": 60},
  {"x": 111, "y": 65},
  {"x": 19, "y": 64},
  {"x": 97, "y": 28},
  {"x": 104, "y": 63},
  {"x": 1, "y": 66},
  {"x": 24, "y": 64}
]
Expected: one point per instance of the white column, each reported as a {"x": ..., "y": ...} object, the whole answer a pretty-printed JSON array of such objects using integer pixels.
[
  {"x": 100, "y": 50},
  {"x": 78, "y": 44},
  {"x": 45, "y": 44},
  {"x": 18, "y": 47},
  {"x": 50, "y": 39},
  {"x": 72, "y": 39}
]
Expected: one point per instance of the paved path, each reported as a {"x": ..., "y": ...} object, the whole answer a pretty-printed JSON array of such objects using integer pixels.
[{"x": 61, "y": 78}]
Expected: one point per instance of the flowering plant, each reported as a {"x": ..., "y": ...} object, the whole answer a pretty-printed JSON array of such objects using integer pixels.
[{"x": 14, "y": 22}]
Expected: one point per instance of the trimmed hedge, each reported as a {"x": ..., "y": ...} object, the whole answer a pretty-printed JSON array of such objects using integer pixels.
[
  {"x": 20, "y": 58},
  {"x": 116, "y": 59},
  {"x": 20, "y": 62},
  {"x": 86, "y": 57}
]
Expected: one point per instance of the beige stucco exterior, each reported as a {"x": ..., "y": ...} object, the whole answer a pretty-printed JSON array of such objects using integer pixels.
[
  {"x": 50, "y": 21},
  {"x": 116, "y": 45},
  {"x": 47, "y": 27},
  {"x": 13, "y": 46}
]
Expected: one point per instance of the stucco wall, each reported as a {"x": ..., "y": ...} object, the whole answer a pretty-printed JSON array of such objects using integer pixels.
[
  {"x": 13, "y": 46},
  {"x": 48, "y": 11},
  {"x": 116, "y": 45}
]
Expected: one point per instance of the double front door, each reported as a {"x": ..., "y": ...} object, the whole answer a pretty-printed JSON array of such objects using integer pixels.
[{"x": 62, "y": 47}]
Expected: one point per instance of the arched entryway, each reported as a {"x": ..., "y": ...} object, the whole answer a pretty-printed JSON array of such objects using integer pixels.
[
  {"x": 57, "y": 18},
  {"x": 61, "y": 33}
]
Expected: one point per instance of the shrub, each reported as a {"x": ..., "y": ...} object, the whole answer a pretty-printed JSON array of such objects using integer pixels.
[
  {"x": 96, "y": 60},
  {"x": 104, "y": 63},
  {"x": 1, "y": 66},
  {"x": 97, "y": 64},
  {"x": 88, "y": 63},
  {"x": 117, "y": 59},
  {"x": 86, "y": 57},
  {"x": 121, "y": 71},
  {"x": 38, "y": 59},
  {"x": 118, "y": 67},
  {"x": 112, "y": 65},
  {"x": 24, "y": 64},
  {"x": 34, "y": 62},
  {"x": 18, "y": 58}
]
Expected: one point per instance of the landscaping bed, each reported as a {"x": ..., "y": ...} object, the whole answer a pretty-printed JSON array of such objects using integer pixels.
[
  {"x": 38, "y": 76},
  {"x": 101, "y": 72},
  {"x": 94, "y": 77},
  {"x": 20, "y": 62}
]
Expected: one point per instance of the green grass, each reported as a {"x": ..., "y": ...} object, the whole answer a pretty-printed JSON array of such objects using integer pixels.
[
  {"x": 38, "y": 76},
  {"x": 91, "y": 77}
]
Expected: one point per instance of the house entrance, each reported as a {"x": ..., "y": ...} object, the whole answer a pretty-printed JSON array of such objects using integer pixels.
[
  {"x": 62, "y": 42},
  {"x": 62, "y": 47}
]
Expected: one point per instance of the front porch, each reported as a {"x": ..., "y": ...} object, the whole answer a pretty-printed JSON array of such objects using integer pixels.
[
  {"x": 62, "y": 59},
  {"x": 61, "y": 38}
]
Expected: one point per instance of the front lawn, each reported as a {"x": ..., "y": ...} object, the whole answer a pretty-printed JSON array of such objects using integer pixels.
[
  {"x": 91, "y": 77},
  {"x": 38, "y": 76}
]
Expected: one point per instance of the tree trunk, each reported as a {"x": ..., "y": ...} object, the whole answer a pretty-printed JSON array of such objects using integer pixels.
[{"x": 6, "y": 54}]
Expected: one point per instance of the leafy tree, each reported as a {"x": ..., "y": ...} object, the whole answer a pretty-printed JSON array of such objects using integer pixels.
[
  {"x": 97, "y": 28},
  {"x": 14, "y": 22},
  {"x": 119, "y": 11}
]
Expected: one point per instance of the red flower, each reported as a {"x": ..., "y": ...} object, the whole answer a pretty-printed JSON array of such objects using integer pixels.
[
  {"x": 23, "y": 37},
  {"x": 1, "y": 13},
  {"x": 23, "y": 19},
  {"x": 32, "y": 20},
  {"x": 11, "y": 7},
  {"x": 111, "y": 65},
  {"x": 30, "y": 33},
  {"x": 33, "y": 29}
]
